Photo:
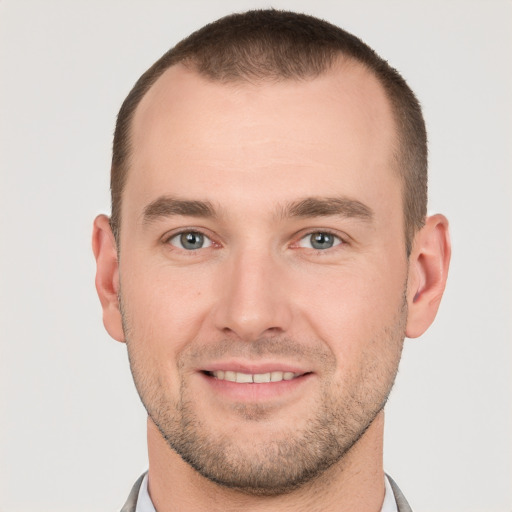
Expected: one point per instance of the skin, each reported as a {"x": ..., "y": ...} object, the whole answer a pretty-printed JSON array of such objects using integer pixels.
[{"x": 258, "y": 297}]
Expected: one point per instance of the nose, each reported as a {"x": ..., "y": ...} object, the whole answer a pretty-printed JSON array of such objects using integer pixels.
[{"x": 253, "y": 299}]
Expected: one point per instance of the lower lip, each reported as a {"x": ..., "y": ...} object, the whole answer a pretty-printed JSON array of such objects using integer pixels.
[{"x": 255, "y": 392}]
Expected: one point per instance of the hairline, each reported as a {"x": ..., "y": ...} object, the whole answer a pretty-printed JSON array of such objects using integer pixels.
[{"x": 397, "y": 160}]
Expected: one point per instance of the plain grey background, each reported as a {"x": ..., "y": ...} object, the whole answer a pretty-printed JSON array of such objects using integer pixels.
[{"x": 72, "y": 431}]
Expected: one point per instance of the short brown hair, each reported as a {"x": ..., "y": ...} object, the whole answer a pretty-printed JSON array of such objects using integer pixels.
[{"x": 277, "y": 45}]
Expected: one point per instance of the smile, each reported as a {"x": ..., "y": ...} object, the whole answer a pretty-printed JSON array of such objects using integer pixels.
[{"x": 254, "y": 378}]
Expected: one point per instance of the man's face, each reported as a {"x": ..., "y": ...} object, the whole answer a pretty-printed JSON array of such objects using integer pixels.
[{"x": 263, "y": 270}]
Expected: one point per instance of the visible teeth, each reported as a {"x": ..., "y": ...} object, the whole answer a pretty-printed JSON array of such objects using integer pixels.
[
  {"x": 276, "y": 376},
  {"x": 257, "y": 378},
  {"x": 243, "y": 378},
  {"x": 261, "y": 377},
  {"x": 231, "y": 376}
]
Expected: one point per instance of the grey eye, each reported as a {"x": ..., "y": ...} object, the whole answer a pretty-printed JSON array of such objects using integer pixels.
[
  {"x": 190, "y": 241},
  {"x": 319, "y": 241}
]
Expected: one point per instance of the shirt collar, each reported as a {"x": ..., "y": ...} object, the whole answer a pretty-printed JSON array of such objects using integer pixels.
[{"x": 144, "y": 503}]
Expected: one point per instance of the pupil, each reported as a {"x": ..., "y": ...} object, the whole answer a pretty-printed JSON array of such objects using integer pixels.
[
  {"x": 192, "y": 240},
  {"x": 321, "y": 240}
]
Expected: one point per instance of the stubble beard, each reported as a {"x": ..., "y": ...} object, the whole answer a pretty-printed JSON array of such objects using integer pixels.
[{"x": 298, "y": 456}]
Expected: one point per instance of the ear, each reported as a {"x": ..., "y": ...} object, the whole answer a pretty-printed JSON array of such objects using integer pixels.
[
  {"x": 107, "y": 276},
  {"x": 428, "y": 270}
]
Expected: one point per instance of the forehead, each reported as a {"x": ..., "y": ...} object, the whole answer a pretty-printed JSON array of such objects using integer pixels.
[{"x": 190, "y": 134}]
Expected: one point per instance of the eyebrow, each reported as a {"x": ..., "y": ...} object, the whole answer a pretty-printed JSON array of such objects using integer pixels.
[
  {"x": 328, "y": 206},
  {"x": 166, "y": 206}
]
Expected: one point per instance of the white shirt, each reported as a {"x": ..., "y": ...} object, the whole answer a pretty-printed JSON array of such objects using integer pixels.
[{"x": 144, "y": 503}]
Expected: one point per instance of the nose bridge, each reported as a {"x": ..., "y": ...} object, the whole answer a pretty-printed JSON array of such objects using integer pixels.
[{"x": 252, "y": 302}]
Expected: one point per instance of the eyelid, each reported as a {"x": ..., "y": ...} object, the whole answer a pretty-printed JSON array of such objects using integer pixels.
[
  {"x": 166, "y": 239},
  {"x": 341, "y": 238},
  {"x": 206, "y": 240}
]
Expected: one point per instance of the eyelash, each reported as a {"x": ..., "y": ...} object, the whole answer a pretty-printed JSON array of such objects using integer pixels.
[
  {"x": 167, "y": 240},
  {"x": 339, "y": 240}
]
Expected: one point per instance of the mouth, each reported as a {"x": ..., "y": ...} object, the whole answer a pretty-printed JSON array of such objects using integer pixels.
[
  {"x": 254, "y": 378},
  {"x": 250, "y": 382}
]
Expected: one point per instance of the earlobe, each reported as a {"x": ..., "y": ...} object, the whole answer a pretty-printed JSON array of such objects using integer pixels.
[
  {"x": 107, "y": 276},
  {"x": 428, "y": 271}
]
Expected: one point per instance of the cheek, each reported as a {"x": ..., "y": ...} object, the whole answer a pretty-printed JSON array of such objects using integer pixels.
[
  {"x": 164, "y": 308},
  {"x": 353, "y": 310}
]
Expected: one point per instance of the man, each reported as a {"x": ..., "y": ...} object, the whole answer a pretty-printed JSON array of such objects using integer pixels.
[{"x": 267, "y": 253}]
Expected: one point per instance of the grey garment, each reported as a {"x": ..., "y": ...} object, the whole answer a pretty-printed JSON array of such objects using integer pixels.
[
  {"x": 131, "y": 503},
  {"x": 401, "y": 502}
]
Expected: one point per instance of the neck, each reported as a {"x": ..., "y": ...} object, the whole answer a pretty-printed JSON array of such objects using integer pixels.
[{"x": 354, "y": 483}]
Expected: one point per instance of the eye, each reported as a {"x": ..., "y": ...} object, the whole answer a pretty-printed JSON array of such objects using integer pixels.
[
  {"x": 190, "y": 241},
  {"x": 320, "y": 240}
]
